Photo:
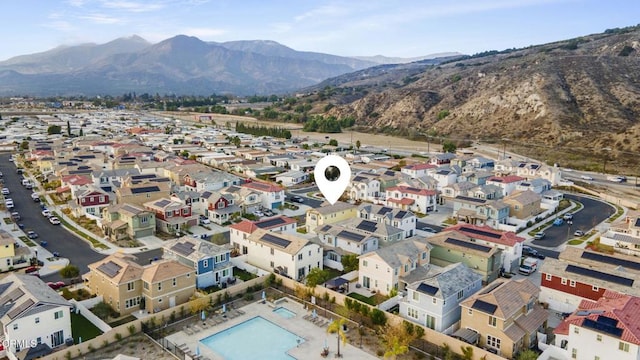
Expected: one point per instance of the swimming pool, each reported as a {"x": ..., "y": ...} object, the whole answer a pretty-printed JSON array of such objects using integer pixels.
[
  {"x": 256, "y": 338},
  {"x": 284, "y": 312}
]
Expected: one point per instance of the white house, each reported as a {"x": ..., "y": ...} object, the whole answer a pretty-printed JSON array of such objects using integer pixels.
[
  {"x": 444, "y": 177},
  {"x": 381, "y": 270},
  {"x": 33, "y": 316},
  {"x": 292, "y": 177},
  {"x": 271, "y": 196},
  {"x": 410, "y": 198},
  {"x": 364, "y": 187},
  {"x": 417, "y": 170},
  {"x": 240, "y": 232},
  {"x": 285, "y": 254},
  {"x": 405, "y": 220},
  {"x": 508, "y": 183},
  {"x": 433, "y": 295},
  {"x": 337, "y": 241}
]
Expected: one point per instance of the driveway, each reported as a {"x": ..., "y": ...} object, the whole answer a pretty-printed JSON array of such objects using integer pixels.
[{"x": 593, "y": 213}]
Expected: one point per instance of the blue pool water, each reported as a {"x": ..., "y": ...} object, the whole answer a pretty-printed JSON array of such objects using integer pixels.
[
  {"x": 256, "y": 338},
  {"x": 284, "y": 312}
]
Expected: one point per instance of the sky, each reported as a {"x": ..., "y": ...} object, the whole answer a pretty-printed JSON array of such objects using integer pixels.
[{"x": 401, "y": 28}]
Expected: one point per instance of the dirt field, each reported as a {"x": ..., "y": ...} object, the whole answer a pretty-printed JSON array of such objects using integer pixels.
[{"x": 384, "y": 141}]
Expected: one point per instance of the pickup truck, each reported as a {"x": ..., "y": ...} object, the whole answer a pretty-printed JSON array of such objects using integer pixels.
[{"x": 528, "y": 266}]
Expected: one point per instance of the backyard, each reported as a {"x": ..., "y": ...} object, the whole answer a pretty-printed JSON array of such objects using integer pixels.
[{"x": 82, "y": 329}]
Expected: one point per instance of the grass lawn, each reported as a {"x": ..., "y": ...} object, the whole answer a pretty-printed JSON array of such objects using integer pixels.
[
  {"x": 575, "y": 242},
  {"x": 81, "y": 327},
  {"x": 368, "y": 300}
]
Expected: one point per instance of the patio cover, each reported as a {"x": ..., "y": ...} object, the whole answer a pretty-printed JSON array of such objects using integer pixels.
[
  {"x": 466, "y": 335},
  {"x": 336, "y": 282},
  {"x": 35, "y": 352}
]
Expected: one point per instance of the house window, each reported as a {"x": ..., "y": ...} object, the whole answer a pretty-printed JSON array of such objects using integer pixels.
[
  {"x": 576, "y": 330},
  {"x": 416, "y": 296},
  {"x": 57, "y": 315},
  {"x": 272, "y": 251},
  {"x": 599, "y": 337},
  {"x": 159, "y": 286},
  {"x": 411, "y": 312},
  {"x": 205, "y": 263},
  {"x": 37, "y": 320},
  {"x": 563, "y": 281},
  {"x": 299, "y": 256},
  {"x": 101, "y": 198},
  {"x": 548, "y": 277},
  {"x": 145, "y": 285},
  {"x": 572, "y": 283},
  {"x": 595, "y": 288},
  {"x": 493, "y": 342},
  {"x": 623, "y": 346},
  {"x": 434, "y": 300},
  {"x": 174, "y": 282},
  {"x": 364, "y": 263},
  {"x": 470, "y": 311},
  {"x": 84, "y": 200},
  {"x": 424, "y": 255},
  {"x": 15, "y": 326},
  {"x": 460, "y": 294},
  {"x": 493, "y": 321},
  {"x": 130, "y": 286},
  {"x": 431, "y": 322},
  {"x": 271, "y": 264},
  {"x": 574, "y": 353},
  {"x": 38, "y": 340},
  {"x": 144, "y": 219}
]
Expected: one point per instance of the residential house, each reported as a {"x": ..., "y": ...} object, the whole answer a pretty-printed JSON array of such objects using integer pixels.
[
  {"x": 127, "y": 221},
  {"x": 141, "y": 193},
  {"x": 89, "y": 201},
  {"x": 210, "y": 261},
  {"x": 329, "y": 214},
  {"x": 405, "y": 220},
  {"x": 445, "y": 176},
  {"x": 292, "y": 177},
  {"x": 240, "y": 232},
  {"x": 220, "y": 207},
  {"x": 486, "y": 191},
  {"x": 209, "y": 180},
  {"x": 537, "y": 185},
  {"x": 480, "y": 211},
  {"x": 603, "y": 329},
  {"x": 109, "y": 180},
  {"x": 417, "y": 170},
  {"x": 450, "y": 247},
  {"x": 508, "y": 183},
  {"x": 457, "y": 189},
  {"x": 172, "y": 217},
  {"x": 410, "y": 198},
  {"x": 33, "y": 316},
  {"x": 364, "y": 187},
  {"x": 507, "y": 241},
  {"x": 441, "y": 159},
  {"x": 271, "y": 196},
  {"x": 480, "y": 162},
  {"x": 128, "y": 286},
  {"x": 338, "y": 241},
  {"x": 386, "y": 232},
  {"x": 506, "y": 315},
  {"x": 283, "y": 253},
  {"x": 624, "y": 235},
  {"x": 381, "y": 270},
  {"x": 532, "y": 170},
  {"x": 12, "y": 256},
  {"x": 580, "y": 274},
  {"x": 433, "y": 295},
  {"x": 523, "y": 204},
  {"x": 303, "y": 165}
]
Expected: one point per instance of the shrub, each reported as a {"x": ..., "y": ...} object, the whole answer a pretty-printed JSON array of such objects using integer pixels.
[
  {"x": 118, "y": 336},
  {"x": 132, "y": 328},
  {"x": 248, "y": 297}
]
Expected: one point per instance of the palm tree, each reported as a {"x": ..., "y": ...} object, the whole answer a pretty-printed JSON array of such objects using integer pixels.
[{"x": 336, "y": 326}]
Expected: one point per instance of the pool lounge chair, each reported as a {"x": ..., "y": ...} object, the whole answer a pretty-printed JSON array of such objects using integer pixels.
[{"x": 187, "y": 330}]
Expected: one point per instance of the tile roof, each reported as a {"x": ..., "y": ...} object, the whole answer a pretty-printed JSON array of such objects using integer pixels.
[
  {"x": 263, "y": 187},
  {"x": 164, "y": 270},
  {"x": 487, "y": 233},
  {"x": 411, "y": 190},
  {"x": 509, "y": 296},
  {"x": 248, "y": 226},
  {"x": 506, "y": 179}
]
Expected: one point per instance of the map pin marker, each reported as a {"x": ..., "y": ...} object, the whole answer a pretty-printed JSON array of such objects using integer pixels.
[{"x": 332, "y": 174}]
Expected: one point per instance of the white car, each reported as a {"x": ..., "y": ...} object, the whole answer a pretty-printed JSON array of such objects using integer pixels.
[
  {"x": 586, "y": 177},
  {"x": 5, "y": 191},
  {"x": 54, "y": 220},
  {"x": 46, "y": 213},
  {"x": 204, "y": 220}
]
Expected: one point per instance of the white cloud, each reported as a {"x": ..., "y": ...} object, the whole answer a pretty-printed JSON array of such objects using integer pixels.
[
  {"x": 100, "y": 19},
  {"x": 59, "y": 25},
  {"x": 325, "y": 11},
  {"x": 132, "y": 6},
  {"x": 76, "y": 3}
]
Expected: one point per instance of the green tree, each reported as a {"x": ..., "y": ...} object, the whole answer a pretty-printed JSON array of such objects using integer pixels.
[
  {"x": 378, "y": 317},
  {"x": 68, "y": 128},
  {"x": 54, "y": 129},
  {"x": 396, "y": 340},
  {"x": 527, "y": 354},
  {"x": 81, "y": 132},
  {"x": 102, "y": 310},
  {"x": 449, "y": 147},
  {"x": 236, "y": 141},
  {"x": 467, "y": 352},
  {"x": 317, "y": 276},
  {"x": 24, "y": 145},
  {"x": 358, "y": 144},
  {"x": 349, "y": 262},
  {"x": 333, "y": 142},
  {"x": 337, "y": 326},
  {"x": 69, "y": 271}
]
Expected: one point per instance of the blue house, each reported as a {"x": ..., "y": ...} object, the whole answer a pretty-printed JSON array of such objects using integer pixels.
[{"x": 211, "y": 262}]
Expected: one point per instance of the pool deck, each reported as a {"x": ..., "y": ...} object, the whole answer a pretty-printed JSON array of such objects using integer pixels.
[{"x": 314, "y": 334}]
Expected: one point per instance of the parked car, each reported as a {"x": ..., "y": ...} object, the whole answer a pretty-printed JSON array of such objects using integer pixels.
[
  {"x": 531, "y": 252},
  {"x": 8, "y": 203},
  {"x": 558, "y": 222},
  {"x": 5, "y": 191},
  {"x": 258, "y": 213},
  {"x": 35, "y": 197},
  {"x": 268, "y": 212},
  {"x": 54, "y": 220},
  {"x": 15, "y": 216},
  {"x": 578, "y": 233},
  {"x": 428, "y": 229},
  {"x": 32, "y": 234},
  {"x": 539, "y": 235},
  {"x": 567, "y": 216},
  {"x": 297, "y": 199},
  {"x": 43, "y": 243},
  {"x": 204, "y": 220},
  {"x": 56, "y": 254},
  {"x": 46, "y": 213},
  {"x": 31, "y": 269}
]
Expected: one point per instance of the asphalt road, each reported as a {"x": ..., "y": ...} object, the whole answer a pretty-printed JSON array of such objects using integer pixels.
[
  {"x": 593, "y": 213},
  {"x": 437, "y": 228},
  {"x": 314, "y": 203},
  {"x": 68, "y": 245}
]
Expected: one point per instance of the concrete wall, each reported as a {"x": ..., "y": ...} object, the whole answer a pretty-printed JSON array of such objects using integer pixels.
[{"x": 84, "y": 311}]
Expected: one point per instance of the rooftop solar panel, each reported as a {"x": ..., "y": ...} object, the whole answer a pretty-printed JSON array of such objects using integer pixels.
[
  {"x": 427, "y": 289},
  {"x": 359, "y": 178},
  {"x": 325, "y": 228},
  {"x": 468, "y": 245},
  {"x": 162, "y": 203},
  {"x": 521, "y": 165},
  {"x": 599, "y": 275},
  {"x": 14, "y": 295},
  {"x": 535, "y": 166},
  {"x": 610, "y": 260},
  {"x": 144, "y": 189},
  {"x": 269, "y": 223},
  {"x": 183, "y": 248},
  {"x": 351, "y": 236},
  {"x": 401, "y": 214},
  {"x": 602, "y": 327},
  {"x": 484, "y": 306},
  {"x": 367, "y": 225},
  {"x": 480, "y": 232},
  {"x": 383, "y": 210},
  {"x": 471, "y": 199},
  {"x": 110, "y": 269},
  {"x": 18, "y": 310},
  {"x": 272, "y": 239},
  {"x": 637, "y": 224}
]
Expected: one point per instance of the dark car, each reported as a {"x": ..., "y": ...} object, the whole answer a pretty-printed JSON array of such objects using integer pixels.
[
  {"x": 529, "y": 251},
  {"x": 296, "y": 199}
]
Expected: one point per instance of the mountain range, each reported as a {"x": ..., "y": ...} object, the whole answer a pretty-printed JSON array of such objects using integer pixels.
[{"x": 180, "y": 65}]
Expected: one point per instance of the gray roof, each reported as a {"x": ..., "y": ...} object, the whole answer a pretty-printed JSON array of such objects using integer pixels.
[
  {"x": 406, "y": 248},
  {"x": 26, "y": 294},
  {"x": 448, "y": 280}
]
